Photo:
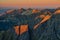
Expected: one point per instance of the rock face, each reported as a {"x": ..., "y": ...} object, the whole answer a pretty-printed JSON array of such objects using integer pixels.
[
  {"x": 57, "y": 11},
  {"x": 18, "y": 25}
]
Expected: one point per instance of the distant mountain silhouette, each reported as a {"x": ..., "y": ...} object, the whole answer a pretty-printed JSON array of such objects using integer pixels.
[
  {"x": 30, "y": 24},
  {"x": 51, "y": 10}
]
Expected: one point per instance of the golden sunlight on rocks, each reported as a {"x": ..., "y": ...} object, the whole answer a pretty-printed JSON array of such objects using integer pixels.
[
  {"x": 57, "y": 12},
  {"x": 21, "y": 29},
  {"x": 9, "y": 11},
  {"x": 16, "y": 28},
  {"x": 35, "y": 11}
]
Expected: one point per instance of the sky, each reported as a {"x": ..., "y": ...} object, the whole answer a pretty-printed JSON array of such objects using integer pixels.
[{"x": 30, "y": 3}]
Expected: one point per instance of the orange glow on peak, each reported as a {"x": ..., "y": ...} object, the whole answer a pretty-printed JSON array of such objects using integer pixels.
[{"x": 23, "y": 29}]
